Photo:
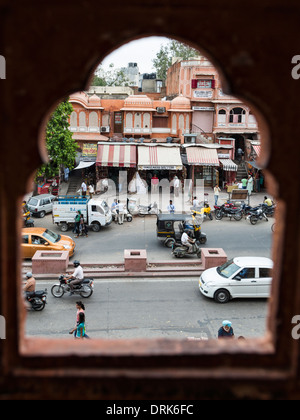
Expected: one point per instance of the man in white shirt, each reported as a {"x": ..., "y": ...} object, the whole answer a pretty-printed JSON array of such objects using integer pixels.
[
  {"x": 176, "y": 186},
  {"x": 76, "y": 277},
  {"x": 187, "y": 241},
  {"x": 83, "y": 189},
  {"x": 120, "y": 208}
]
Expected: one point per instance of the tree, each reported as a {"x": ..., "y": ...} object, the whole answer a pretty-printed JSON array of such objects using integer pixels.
[
  {"x": 111, "y": 77},
  {"x": 59, "y": 142},
  {"x": 164, "y": 57}
]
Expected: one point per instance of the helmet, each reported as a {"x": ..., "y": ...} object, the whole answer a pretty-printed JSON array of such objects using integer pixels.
[
  {"x": 76, "y": 263},
  {"x": 29, "y": 275},
  {"x": 227, "y": 324}
]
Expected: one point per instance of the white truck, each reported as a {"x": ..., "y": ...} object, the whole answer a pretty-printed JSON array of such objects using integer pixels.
[{"x": 96, "y": 212}]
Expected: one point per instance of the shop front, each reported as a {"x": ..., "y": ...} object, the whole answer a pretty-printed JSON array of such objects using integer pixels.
[
  {"x": 204, "y": 164},
  {"x": 115, "y": 162},
  {"x": 160, "y": 162}
]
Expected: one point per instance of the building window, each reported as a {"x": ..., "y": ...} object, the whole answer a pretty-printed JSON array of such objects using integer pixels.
[{"x": 237, "y": 116}]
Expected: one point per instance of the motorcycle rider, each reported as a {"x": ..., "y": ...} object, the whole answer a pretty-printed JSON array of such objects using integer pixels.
[
  {"x": 76, "y": 277},
  {"x": 30, "y": 284},
  {"x": 187, "y": 241}
]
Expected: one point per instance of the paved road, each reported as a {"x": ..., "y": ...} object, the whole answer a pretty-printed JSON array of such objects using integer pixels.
[
  {"x": 146, "y": 308},
  {"x": 236, "y": 238}
]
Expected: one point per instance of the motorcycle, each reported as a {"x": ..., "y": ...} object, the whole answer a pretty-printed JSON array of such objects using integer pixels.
[
  {"x": 204, "y": 211},
  {"x": 85, "y": 289},
  {"x": 149, "y": 210},
  {"x": 37, "y": 300},
  {"x": 127, "y": 216},
  {"x": 28, "y": 221},
  {"x": 180, "y": 251},
  {"x": 228, "y": 210},
  {"x": 257, "y": 214}
]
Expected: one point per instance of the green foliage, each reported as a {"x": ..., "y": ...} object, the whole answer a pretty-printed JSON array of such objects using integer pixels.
[
  {"x": 111, "y": 77},
  {"x": 59, "y": 142},
  {"x": 164, "y": 57}
]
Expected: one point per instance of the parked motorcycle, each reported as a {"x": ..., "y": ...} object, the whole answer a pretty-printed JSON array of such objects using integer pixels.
[
  {"x": 228, "y": 210},
  {"x": 127, "y": 216},
  {"x": 257, "y": 214},
  {"x": 180, "y": 251},
  {"x": 204, "y": 211},
  {"x": 37, "y": 299},
  {"x": 85, "y": 289},
  {"x": 149, "y": 210}
]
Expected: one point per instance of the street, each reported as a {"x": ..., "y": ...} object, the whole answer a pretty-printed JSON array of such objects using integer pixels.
[
  {"x": 147, "y": 308},
  {"x": 143, "y": 308},
  {"x": 236, "y": 238}
]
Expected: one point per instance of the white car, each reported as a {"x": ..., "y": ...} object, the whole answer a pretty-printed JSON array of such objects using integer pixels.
[
  {"x": 39, "y": 205},
  {"x": 241, "y": 277}
]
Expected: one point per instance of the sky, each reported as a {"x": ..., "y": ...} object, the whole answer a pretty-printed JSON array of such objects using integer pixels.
[{"x": 142, "y": 52}]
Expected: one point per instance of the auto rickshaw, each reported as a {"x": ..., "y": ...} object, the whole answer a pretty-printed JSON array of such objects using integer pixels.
[{"x": 170, "y": 228}]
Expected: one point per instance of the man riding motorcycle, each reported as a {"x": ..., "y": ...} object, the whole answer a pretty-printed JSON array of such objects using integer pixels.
[
  {"x": 77, "y": 276},
  {"x": 187, "y": 241}
]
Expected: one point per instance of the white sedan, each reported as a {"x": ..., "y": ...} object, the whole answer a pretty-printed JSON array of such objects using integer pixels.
[{"x": 241, "y": 277}]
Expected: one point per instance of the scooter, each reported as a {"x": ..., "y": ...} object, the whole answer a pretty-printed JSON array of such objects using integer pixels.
[
  {"x": 127, "y": 216},
  {"x": 204, "y": 211},
  {"x": 228, "y": 210},
  {"x": 180, "y": 251},
  {"x": 37, "y": 299},
  {"x": 28, "y": 221},
  {"x": 85, "y": 289},
  {"x": 148, "y": 210}
]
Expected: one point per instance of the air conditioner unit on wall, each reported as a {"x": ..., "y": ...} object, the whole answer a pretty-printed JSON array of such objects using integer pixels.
[{"x": 105, "y": 129}]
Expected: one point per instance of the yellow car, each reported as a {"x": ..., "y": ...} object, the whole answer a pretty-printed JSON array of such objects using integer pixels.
[{"x": 41, "y": 239}]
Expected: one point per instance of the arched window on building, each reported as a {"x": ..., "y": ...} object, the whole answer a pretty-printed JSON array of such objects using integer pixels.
[
  {"x": 82, "y": 121},
  {"x": 222, "y": 117},
  {"x": 237, "y": 116},
  {"x": 93, "y": 122},
  {"x": 129, "y": 122},
  {"x": 73, "y": 121}
]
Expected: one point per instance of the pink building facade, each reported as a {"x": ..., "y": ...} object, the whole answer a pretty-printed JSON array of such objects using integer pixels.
[{"x": 215, "y": 115}]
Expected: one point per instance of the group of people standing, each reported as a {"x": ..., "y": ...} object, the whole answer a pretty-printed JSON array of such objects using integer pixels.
[{"x": 80, "y": 228}]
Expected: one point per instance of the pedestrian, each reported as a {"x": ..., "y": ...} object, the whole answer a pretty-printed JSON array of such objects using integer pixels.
[
  {"x": 120, "y": 210},
  {"x": 91, "y": 190},
  {"x": 217, "y": 191},
  {"x": 77, "y": 223},
  {"x": 244, "y": 183},
  {"x": 250, "y": 184},
  {"x": 196, "y": 203},
  {"x": 66, "y": 173},
  {"x": 80, "y": 329},
  {"x": 171, "y": 207},
  {"x": 176, "y": 186},
  {"x": 82, "y": 226},
  {"x": 83, "y": 189},
  {"x": 80, "y": 309},
  {"x": 154, "y": 184},
  {"x": 226, "y": 331}
]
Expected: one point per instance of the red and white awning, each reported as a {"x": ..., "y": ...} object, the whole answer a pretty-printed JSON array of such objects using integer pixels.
[
  {"x": 159, "y": 158},
  {"x": 116, "y": 155},
  {"x": 257, "y": 149},
  {"x": 202, "y": 156}
]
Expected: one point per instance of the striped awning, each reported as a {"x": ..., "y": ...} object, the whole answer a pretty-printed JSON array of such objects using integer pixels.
[
  {"x": 257, "y": 150},
  {"x": 202, "y": 156},
  {"x": 159, "y": 158},
  {"x": 116, "y": 155},
  {"x": 228, "y": 165}
]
